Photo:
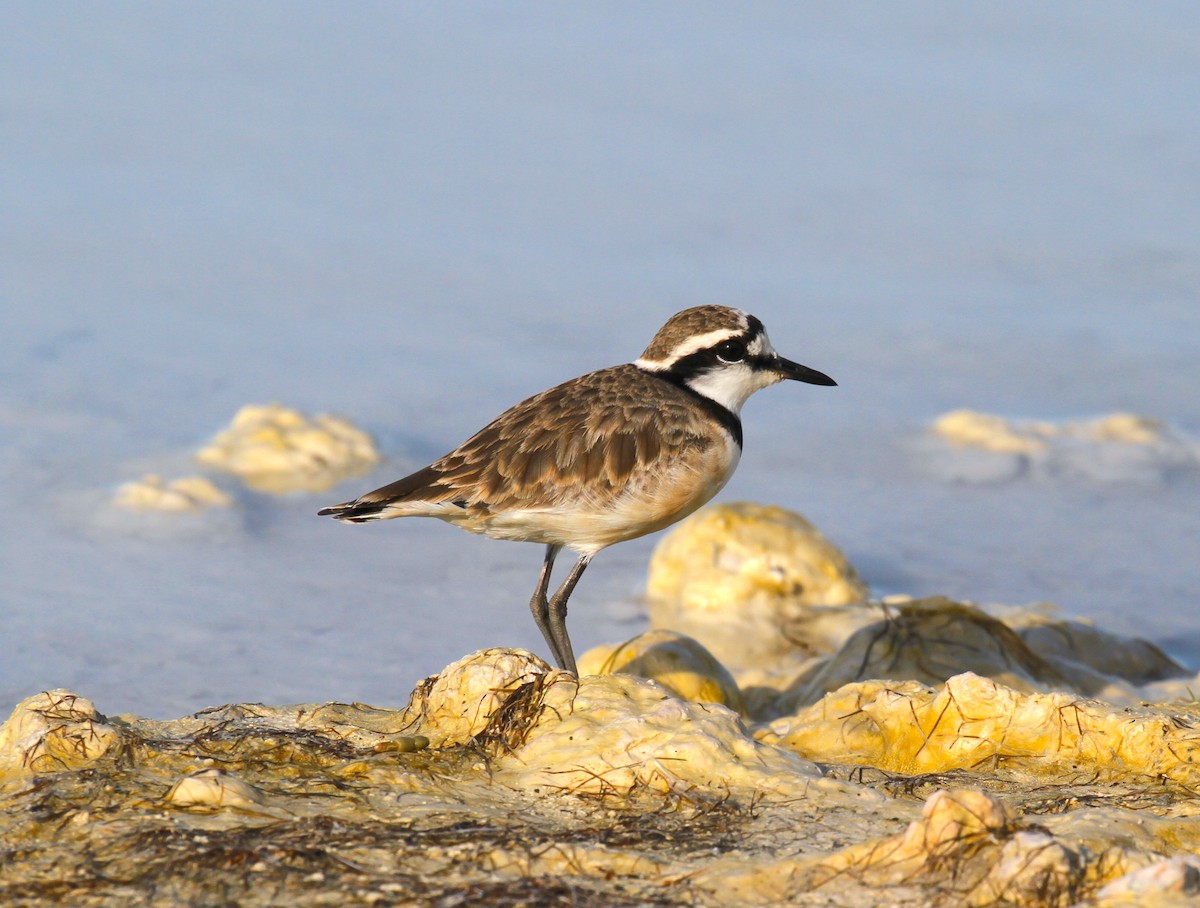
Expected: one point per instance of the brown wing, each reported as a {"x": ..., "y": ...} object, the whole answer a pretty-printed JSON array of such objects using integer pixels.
[
  {"x": 584, "y": 438},
  {"x": 587, "y": 436}
]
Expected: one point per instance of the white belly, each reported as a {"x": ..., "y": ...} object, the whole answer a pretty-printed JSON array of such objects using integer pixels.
[{"x": 650, "y": 501}]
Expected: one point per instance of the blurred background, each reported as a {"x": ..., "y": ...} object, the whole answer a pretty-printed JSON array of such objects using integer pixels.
[{"x": 415, "y": 215}]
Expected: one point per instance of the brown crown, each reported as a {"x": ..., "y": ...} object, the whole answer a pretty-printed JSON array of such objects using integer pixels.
[{"x": 689, "y": 323}]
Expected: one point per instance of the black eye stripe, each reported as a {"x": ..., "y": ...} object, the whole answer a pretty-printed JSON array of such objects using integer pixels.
[{"x": 708, "y": 359}]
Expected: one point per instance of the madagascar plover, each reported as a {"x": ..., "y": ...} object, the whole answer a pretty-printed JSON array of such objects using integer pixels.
[{"x": 609, "y": 456}]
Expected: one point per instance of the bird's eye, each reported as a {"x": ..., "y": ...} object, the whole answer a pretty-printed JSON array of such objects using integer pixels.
[{"x": 732, "y": 351}]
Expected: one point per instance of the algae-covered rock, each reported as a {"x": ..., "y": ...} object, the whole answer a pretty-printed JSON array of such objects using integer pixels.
[
  {"x": 952, "y": 836},
  {"x": 459, "y": 702},
  {"x": 212, "y": 788},
  {"x": 966, "y": 445},
  {"x": 931, "y": 640},
  {"x": 927, "y": 640},
  {"x": 54, "y": 731},
  {"x": 750, "y": 582},
  {"x": 972, "y": 429},
  {"x": 677, "y": 662},
  {"x": 1168, "y": 883},
  {"x": 614, "y": 735},
  {"x": 1082, "y": 648},
  {"x": 189, "y": 494},
  {"x": 974, "y": 723},
  {"x": 519, "y": 784},
  {"x": 1031, "y": 865},
  {"x": 276, "y": 449}
]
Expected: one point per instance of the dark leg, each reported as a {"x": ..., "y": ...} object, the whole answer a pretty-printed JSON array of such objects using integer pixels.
[
  {"x": 538, "y": 604},
  {"x": 561, "y": 643}
]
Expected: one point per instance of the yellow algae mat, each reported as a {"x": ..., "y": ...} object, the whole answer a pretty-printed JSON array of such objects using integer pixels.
[
  {"x": 504, "y": 782},
  {"x": 908, "y": 753}
]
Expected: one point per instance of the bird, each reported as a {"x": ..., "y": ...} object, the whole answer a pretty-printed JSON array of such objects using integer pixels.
[{"x": 603, "y": 458}]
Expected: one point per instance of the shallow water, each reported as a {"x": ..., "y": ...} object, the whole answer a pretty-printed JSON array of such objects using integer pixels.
[{"x": 416, "y": 216}]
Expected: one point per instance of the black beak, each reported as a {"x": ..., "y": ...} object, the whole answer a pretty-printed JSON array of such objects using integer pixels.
[{"x": 789, "y": 369}]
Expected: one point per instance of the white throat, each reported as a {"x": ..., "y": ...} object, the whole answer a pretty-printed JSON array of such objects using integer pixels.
[{"x": 732, "y": 385}]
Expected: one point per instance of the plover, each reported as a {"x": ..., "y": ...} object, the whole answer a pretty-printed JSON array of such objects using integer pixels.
[{"x": 606, "y": 457}]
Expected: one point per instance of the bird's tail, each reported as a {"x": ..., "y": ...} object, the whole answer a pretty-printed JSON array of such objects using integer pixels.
[
  {"x": 357, "y": 511},
  {"x": 421, "y": 492}
]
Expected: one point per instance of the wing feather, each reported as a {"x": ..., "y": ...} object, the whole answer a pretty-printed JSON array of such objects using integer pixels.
[{"x": 584, "y": 438}]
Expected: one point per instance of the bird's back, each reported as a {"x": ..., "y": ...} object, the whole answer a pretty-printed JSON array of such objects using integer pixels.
[{"x": 617, "y": 442}]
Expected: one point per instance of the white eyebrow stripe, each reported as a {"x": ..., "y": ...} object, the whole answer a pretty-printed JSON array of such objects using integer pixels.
[
  {"x": 761, "y": 345},
  {"x": 688, "y": 347}
]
